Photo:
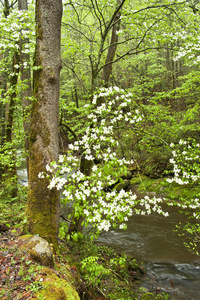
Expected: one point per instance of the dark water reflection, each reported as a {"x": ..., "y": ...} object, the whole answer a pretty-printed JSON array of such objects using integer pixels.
[{"x": 170, "y": 266}]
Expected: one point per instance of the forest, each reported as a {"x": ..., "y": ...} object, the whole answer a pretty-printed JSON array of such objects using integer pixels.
[{"x": 99, "y": 109}]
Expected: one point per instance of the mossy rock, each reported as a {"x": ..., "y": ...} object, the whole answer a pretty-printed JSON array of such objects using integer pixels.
[
  {"x": 138, "y": 179},
  {"x": 133, "y": 169},
  {"x": 38, "y": 249},
  {"x": 127, "y": 175},
  {"x": 153, "y": 185},
  {"x": 55, "y": 288},
  {"x": 121, "y": 185}
]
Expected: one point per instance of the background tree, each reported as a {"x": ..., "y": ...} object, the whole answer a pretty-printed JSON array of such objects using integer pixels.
[{"x": 25, "y": 70}]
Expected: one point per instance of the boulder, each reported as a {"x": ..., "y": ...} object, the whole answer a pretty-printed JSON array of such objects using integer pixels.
[
  {"x": 121, "y": 185},
  {"x": 138, "y": 179},
  {"x": 4, "y": 227},
  {"x": 39, "y": 250},
  {"x": 55, "y": 288},
  {"x": 128, "y": 175}
]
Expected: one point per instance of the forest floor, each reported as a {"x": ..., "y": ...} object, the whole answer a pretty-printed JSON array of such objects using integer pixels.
[
  {"x": 16, "y": 279},
  {"x": 21, "y": 278}
]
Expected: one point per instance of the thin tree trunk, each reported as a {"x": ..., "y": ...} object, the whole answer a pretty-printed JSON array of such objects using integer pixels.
[
  {"x": 26, "y": 78},
  {"x": 107, "y": 70},
  {"x": 76, "y": 223},
  {"x": 9, "y": 170}
]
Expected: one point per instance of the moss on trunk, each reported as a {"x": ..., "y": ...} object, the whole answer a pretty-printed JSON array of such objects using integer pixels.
[{"x": 43, "y": 204}]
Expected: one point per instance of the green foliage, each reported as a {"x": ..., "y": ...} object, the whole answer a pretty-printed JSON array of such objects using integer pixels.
[
  {"x": 145, "y": 295},
  {"x": 12, "y": 210},
  {"x": 92, "y": 270},
  {"x": 186, "y": 171}
]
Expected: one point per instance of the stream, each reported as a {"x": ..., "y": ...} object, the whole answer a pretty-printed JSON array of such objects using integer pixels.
[{"x": 170, "y": 267}]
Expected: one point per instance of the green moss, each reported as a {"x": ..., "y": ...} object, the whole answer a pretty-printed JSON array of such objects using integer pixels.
[
  {"x": 43, "y": 203},
  {"x": 138, "y": 179},
  {"x": 42, "y": 223},
  {"x": 56, "y": 288},
  {"x": 51, "y": 74},
  {"x": 25, "y": 237},
  {"x": 39, "y": 30},
  {"x": 160, "y": 186},
  {"x": 121, "y": 185}
]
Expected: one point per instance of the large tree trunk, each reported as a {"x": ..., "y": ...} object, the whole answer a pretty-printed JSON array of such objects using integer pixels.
[{"x": 43, "y": 203}]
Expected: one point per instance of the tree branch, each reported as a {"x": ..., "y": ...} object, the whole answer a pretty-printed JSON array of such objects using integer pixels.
[
  {"x": 129, "y": 53},
  {"x": 68, "y": 128},
  {"x": 155, "y": 6},
  {"x": 100, "y": 13},
  {"x": 113, "y": 17},
  {"x": 13, "y": 3},
  {"x": 75, "y": 75},
  {"x": 67, "y": 24},
  {"x": 100, "y": 24}
]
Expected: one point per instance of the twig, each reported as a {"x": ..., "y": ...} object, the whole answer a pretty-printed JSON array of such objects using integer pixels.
[
  {"x": 100, "y": 291},
  {"x": 94, "y": 280},
  {"x": 64, "y": 218}
]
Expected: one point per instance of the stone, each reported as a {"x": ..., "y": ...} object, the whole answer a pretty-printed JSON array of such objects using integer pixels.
[
  {"x": 4, "y": 227},
  {"x": 128, "y": 175},
  {"x": 121, "y": 185},
  {"x": 39, "y": 250},
  {"x": 138, "y": 179}
]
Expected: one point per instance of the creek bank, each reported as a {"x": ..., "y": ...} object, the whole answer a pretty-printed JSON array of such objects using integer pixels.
[
  {"x": 142, "y": 185},
  {"x": 21, "y": 277},
  {"x": 85, "y": 271},
  {"x": 108, "y": 274}
]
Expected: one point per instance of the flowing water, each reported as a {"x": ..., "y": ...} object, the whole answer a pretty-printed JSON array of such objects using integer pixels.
[{"x": 170, "y": 266}]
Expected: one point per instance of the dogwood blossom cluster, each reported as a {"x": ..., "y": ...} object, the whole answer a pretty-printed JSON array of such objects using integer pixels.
[
  {"x": 16, "y": 25},
  {"x": 185, "y": 161},
  {"x": 186, "y": 169},
  {"x": 94, "y": 196},
  {"x": 190, "y": 47}
]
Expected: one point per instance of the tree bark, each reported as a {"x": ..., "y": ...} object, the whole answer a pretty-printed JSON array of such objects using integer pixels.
[
  {"x": 22, "y": 5},
  {"x": 26, "y": 79},
  {"x": 10, "y": 170},
  {"x": 107, "y": 70},
  {"x": 43, "y": 204},
  {"x": 76, "y": 223}
]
